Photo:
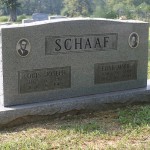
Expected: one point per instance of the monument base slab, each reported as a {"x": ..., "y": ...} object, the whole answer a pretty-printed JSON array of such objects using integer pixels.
[{"x": 15, "y": 115}]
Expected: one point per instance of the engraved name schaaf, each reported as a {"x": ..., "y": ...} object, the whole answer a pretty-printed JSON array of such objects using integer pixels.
[
  {"x": 66, "y": 44},
  {"x": 115, "y": 71},
  {"x": 44, "y": 79}
]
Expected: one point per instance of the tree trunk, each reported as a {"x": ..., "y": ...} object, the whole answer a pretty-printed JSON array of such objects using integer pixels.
[{"x": 13, "y": 14}]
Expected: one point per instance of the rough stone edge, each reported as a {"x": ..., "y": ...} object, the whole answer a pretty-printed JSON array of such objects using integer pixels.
[
  {"x": 1, "y": 71},
  {"x": 37, "y": 111}
]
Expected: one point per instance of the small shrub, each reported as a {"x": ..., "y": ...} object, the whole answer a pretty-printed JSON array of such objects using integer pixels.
[
  {"x": 3, "y": 18},
  {"x": 21, "y": 17}
]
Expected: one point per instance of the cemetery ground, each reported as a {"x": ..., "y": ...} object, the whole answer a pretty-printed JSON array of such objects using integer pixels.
[{"x": 125, "y": 128}]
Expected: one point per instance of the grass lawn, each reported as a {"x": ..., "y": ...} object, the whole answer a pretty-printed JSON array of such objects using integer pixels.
[
  {"x": 19, "y": 18},
  {"x": 121, "y": 129}
]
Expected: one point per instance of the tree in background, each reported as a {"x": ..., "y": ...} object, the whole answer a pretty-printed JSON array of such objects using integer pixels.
[
  {"x": 131, "y": 9},
  {"x": 29, "y": 7},
  {"x": 75, "y": 8},
  {"x": 103, "y": 9},
  {"x": 99, "y": 8},
  {"x": 11, "y": 6},
  {"x": 143, "y": 10}
]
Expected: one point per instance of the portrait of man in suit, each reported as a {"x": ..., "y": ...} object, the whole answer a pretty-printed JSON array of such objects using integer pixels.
[{"x": 22, "y": 47}]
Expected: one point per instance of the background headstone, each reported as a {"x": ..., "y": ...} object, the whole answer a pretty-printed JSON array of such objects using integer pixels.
[{"x": 39, "y": 16}]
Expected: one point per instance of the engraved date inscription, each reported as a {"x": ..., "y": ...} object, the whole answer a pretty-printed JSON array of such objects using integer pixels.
[
  {"x": 115, "y": 71},
  {"x": 44, "y": 79}
]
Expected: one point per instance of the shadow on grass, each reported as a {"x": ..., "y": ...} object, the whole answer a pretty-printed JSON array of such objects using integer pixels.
[
  {"x": 131, "y": 117},
  {"x": 97, "y": 123}
]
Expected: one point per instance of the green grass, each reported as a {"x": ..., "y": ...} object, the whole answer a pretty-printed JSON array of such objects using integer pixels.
[
  {"x": 3, "y": 18},
  {"x": 120, "y": 129},
  {"x": 19, "y": 18}
]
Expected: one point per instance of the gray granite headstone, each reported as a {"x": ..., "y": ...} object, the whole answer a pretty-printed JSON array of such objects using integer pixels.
[
  {"x": 39, "y": 16},
  {"x": 71, "y": 58}
]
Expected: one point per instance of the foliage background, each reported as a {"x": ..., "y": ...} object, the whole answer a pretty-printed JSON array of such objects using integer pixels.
[{"x": 130, "y": 9}]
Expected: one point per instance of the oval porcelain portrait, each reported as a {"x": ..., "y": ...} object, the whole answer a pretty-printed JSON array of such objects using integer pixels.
[
  {"x": 133, "y": 40},
  {"x": 23, "y": 47}
]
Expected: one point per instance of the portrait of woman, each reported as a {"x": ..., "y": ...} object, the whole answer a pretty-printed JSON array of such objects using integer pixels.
[{"x": 133, "y": 40}]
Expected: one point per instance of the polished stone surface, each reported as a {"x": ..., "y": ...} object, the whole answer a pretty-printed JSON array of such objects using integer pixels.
[{"x": 79, "y": 44}]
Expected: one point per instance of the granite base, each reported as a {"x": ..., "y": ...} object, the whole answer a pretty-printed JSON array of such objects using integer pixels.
[{"x": 15, "y": 115}]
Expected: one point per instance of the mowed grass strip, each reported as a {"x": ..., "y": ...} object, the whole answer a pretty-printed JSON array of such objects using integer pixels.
[{"x": 116, "y": 129}]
